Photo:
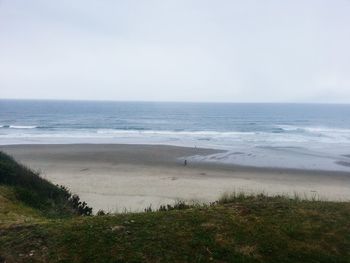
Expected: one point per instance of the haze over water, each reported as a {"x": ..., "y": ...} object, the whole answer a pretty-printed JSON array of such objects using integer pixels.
[{"x": 304, "y": 136}]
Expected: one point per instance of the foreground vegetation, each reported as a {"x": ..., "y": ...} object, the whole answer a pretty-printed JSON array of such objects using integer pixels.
[{"x": 46, "y": 226}]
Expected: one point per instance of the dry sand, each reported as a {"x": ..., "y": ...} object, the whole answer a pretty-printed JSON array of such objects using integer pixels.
[{"x": 131, "y": 177}]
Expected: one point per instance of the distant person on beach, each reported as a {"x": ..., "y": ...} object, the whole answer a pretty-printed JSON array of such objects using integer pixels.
[{"x": 185, "y": 162}]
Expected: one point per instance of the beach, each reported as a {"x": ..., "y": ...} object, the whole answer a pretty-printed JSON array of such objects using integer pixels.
[{"x": 131, "y": 177}]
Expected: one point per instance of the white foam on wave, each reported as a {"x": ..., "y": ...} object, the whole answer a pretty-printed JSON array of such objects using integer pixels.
[
  {"x": 328, "y": 130},
  {"x": 310, "y": 134},
  {"x": 225, "y": 140},
  {"x": 332, "y": 134},
  {"x": 18, "y": 126},
  {"x": 169, "y": 132},
  {"x": 321, "y": 129}
]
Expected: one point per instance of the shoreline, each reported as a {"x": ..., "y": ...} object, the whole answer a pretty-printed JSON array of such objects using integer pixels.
[
  {"x": 200, "y": 163},
  {"x": 118, "y": 177}
]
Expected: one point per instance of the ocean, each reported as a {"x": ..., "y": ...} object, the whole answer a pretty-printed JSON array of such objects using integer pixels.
[{"x": 301, "y": 136}]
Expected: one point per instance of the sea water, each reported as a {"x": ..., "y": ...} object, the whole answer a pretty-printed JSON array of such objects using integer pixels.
[{"x": 302, "y": 136}]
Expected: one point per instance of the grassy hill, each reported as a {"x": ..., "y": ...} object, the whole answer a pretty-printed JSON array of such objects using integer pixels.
[{"x": 41, "y": 222}]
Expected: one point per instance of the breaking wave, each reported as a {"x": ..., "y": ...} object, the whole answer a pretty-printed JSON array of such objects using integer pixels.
[{"x": 19, "y": 126}]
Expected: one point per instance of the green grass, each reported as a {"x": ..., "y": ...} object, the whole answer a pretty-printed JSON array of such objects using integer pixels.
[
  {"x": 237, "y": 228},
  {"x": 36, "y": 192}
]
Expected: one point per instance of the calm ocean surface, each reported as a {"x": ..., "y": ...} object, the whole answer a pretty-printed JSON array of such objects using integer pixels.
[{"x": 310, "y": 136}]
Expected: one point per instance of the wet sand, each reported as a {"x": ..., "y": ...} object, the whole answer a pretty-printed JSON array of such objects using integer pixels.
[{"x": 119, "y": 177}]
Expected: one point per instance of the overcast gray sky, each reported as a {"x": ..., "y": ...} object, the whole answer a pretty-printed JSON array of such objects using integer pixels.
[{"x": 189, "y": 50}]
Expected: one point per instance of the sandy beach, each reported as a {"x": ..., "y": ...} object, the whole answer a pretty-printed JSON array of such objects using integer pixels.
[{"x": 120, "y": 177}]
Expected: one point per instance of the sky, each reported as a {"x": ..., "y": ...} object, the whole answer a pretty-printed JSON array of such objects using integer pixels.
[{"x": 178, "y": 50}]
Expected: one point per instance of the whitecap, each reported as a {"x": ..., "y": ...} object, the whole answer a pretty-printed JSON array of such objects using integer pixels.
[{"x": 21, "y": 127}]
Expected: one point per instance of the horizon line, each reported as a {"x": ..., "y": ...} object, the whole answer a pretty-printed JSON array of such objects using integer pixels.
[{"x": 169, "y": 101}]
